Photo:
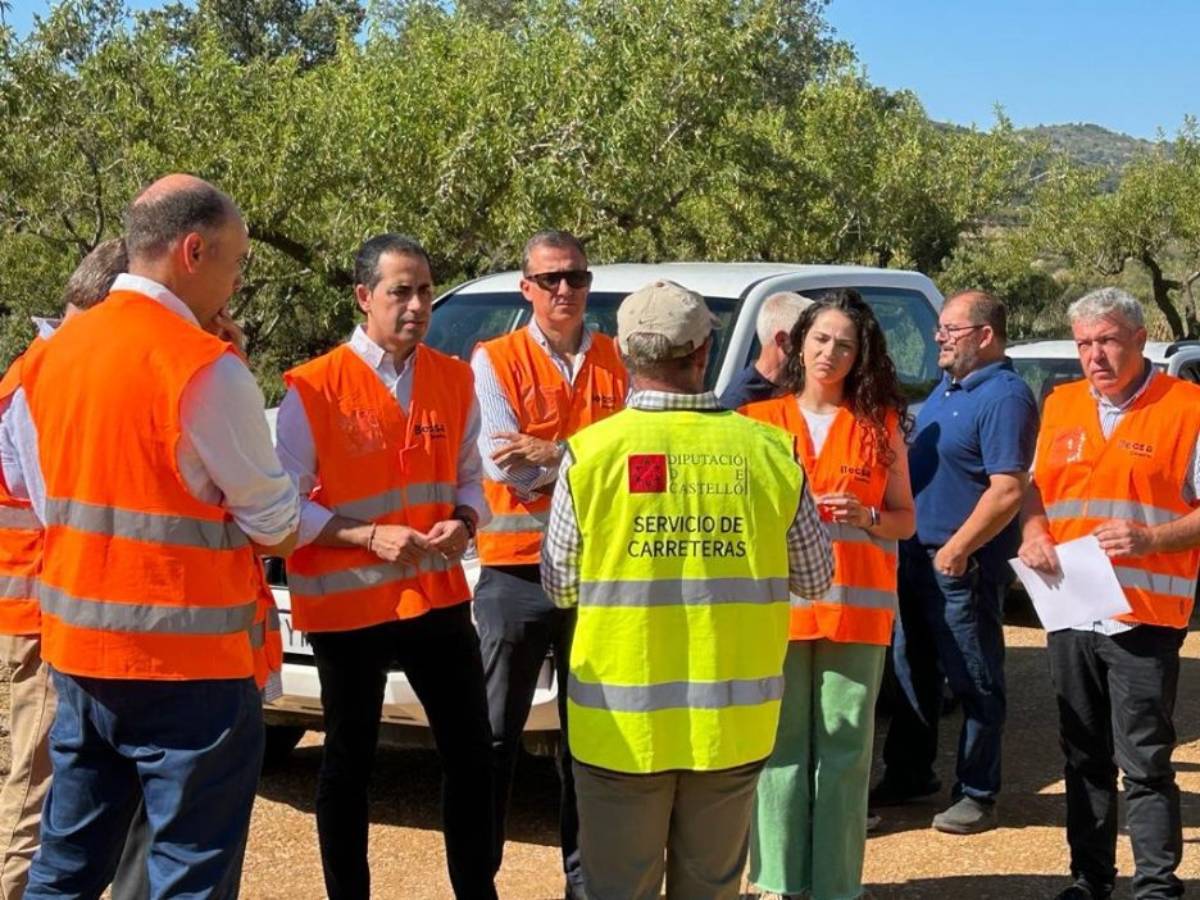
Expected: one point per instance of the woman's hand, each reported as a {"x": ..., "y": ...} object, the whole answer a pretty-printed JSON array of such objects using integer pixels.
[{"x": 845, "y": 509}]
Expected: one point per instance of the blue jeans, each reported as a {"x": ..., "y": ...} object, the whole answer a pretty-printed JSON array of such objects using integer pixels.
[
  {"x": 192, "y": 750},
  {"x": 949, "y": 627}
]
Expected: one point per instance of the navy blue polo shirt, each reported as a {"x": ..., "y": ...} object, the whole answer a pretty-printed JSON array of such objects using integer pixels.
[
  {"x": 986, "y": 424},
  {"x": 747, "y": 386}
]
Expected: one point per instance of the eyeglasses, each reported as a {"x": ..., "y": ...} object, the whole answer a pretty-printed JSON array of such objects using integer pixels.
[
  {"x": 575, "y": 279},
  {"x": 952, "y": 331}
]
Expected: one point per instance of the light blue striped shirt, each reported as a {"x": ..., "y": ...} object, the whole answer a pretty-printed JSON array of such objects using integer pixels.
[{"x": 498, "y": 414}]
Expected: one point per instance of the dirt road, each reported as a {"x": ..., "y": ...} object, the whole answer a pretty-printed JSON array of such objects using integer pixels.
[{"x": 1024, "y": 859}]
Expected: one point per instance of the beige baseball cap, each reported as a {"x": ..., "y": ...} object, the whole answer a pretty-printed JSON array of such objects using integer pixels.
[{"x": 666, "y": 308}]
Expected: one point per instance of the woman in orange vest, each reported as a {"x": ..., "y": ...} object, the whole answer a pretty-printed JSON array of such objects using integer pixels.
[{"x": 846, "y": 409}]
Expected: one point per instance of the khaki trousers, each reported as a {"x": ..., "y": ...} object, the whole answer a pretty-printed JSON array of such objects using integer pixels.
[
  {"x": 692, "y": 827},
  {"x": 31, "y": 701}
]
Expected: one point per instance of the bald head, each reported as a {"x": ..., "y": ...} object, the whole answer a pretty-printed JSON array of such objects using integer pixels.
[{"x": 170, "y": 209}]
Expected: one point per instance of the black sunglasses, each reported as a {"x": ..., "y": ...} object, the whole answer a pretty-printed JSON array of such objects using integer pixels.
[{"x": 575, "y": 278}]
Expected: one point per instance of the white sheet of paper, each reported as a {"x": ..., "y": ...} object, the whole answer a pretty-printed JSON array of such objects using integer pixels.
[{"x": 1086, "y": 591}]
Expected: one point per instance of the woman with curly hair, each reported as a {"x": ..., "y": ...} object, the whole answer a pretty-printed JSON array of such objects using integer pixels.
[{"x": 847, "y": 412}]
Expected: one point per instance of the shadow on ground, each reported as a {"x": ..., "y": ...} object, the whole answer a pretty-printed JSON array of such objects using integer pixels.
[
  {"x": 406, "y": 791},
  {"x": 977, "y": 887},
  {"x": 406, "y": 788}
]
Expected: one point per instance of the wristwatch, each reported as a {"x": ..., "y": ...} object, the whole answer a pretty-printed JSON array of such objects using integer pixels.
[
  {"x": 468, "y": 522},
  {"x": 874, "y": 513}
]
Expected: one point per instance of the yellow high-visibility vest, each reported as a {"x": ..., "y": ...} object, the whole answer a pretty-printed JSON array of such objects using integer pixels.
[{"x": 677, "y": 659}]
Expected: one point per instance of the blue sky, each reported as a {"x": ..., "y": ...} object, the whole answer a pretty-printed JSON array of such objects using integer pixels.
[{"x": 1128, "y": 66}]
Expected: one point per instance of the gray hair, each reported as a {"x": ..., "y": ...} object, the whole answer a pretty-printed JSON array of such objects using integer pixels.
[
  {"x": 551, "y": 237},
  {"x": 647, "y": 352},
  {"x": 93, "y": 277},
  {"x": 1107, "y": 303},
  {"x": 779, "y": 312}
]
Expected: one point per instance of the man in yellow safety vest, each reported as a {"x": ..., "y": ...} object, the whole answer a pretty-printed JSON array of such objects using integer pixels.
[{"x": 677, "y": 528}]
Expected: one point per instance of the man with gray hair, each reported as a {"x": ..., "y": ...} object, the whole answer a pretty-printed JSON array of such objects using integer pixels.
[
  {"x": 676, "y": 528},
  {"x": 762, "y": 378},
  {"x": 1117, "y": 459}
]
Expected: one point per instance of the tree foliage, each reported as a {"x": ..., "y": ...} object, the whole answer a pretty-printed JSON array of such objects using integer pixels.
[
  {"x": 655, "y": 129},
  {"x": 1150, "y": 221}
]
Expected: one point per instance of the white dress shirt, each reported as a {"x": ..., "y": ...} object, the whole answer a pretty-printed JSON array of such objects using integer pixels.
[
  {"x": 499, "y": 415},
  {"x": 224, "y": 453},
  {"x": 298, "y": 452}
]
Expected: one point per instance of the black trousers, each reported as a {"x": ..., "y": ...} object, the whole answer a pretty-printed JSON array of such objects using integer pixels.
[
  {"x": 439, "y": 653},
  {"x": 1116, "y": 697},
  {"x": 518, "y": 627}
]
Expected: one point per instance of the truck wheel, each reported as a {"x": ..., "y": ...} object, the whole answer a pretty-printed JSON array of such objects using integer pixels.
[{"x": 281, "y": 741}]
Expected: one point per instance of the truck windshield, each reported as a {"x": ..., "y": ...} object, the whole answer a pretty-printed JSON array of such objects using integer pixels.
[{"x": 461, "y": 321}]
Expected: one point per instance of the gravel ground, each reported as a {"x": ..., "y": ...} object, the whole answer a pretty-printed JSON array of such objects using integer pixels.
[{"x": 1026, "y": 858}]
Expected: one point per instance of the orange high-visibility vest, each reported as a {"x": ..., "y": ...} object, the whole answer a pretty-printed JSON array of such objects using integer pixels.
[
  {"x": 1138, "y": 473},
  {"x": 266, "y": 638},
  {"x": 548, "y": 407},
  {"x": 140, "y": 579},
  {"x": 378, "y": 464},
  {"x": 861, "y": 604},
  {"x": 20, "y": 538}
]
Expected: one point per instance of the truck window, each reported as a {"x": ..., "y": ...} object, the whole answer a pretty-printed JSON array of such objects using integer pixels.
[{"x": 460, "y": 321}]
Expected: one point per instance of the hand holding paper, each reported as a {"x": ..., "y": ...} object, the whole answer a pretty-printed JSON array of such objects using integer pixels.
[{"x": 1085, "y": 590}]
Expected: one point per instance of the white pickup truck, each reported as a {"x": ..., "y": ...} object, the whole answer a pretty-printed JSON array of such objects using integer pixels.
[{"x": 906, "y": 304}]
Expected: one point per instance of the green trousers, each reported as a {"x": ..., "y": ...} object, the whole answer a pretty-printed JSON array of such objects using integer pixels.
[{"x": 809, "y": 830}]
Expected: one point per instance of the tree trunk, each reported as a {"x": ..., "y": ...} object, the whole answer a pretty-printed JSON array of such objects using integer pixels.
[{"x": 1162, "y": 296}]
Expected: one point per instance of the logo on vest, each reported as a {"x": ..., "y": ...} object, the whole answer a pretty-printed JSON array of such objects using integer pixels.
[
  {"x": 604, "y": 401},
  {"x": 433, "y": 429},
  {"x": 860, "y": 473},
  {"x": 1137, "y": 448},
  {"x": 647, "y": 473}
]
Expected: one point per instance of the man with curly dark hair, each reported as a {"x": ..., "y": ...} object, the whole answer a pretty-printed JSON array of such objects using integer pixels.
[{"x": 969, "y": 460}]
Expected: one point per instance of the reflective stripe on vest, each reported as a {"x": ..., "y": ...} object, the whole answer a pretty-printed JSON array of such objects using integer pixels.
[
  {"x": 154, "y": 528},
  {"x": 19, "y": 518},
  {"x": 20, "y": 536},
  {"x": 683, "y": 593},
  {"x": 140, "y": 579},
  {"x": 107, "y": 615},
  {"x": 869, "y": 598},
  {"x": 1156, "y": 583},
  {"x": 1137, "y": 473},
  {"x": 1110, "y": 509},
  {"x": 396, "y": 499},
  {"x": 17, "y": 587},
  {"x": 677, "y": 656},
  {"x": 860, "y": 606},
  {"x": 550, "y": 408},
  {"x": 675, "y": 694},
  {"x": 514, "y": 523},
  {"x": 852, "y": 534},
  {"x": 361, "y": 577},
  {"x": 382, "y": 464}
]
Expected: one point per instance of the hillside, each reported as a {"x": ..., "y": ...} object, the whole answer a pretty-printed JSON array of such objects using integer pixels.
[{"x": 1090, "y": 145}]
